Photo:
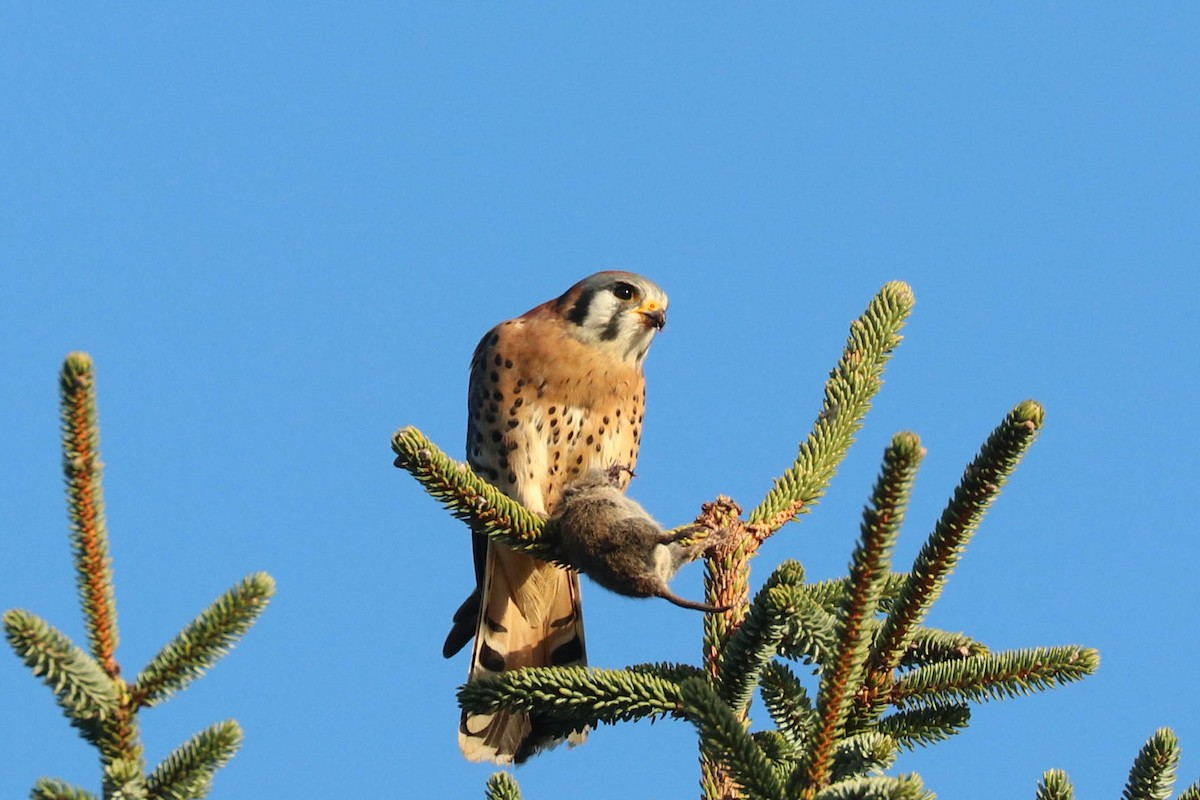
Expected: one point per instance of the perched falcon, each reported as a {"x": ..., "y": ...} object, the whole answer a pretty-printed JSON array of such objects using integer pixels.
[{"x": 554, "y": 393}]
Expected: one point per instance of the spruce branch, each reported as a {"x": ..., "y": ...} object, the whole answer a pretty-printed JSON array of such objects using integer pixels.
[
  {"x": 904, "y": 787},
  {"x": 1011, "y": 673},
  {"x": 779, "y": 752},
  {"x": 925, "y": 725},
  {"x": 930, "y": 645},
  {"x": 1055, "y": 785},
  {"x": 1153, "y": 774},
  {"x": 469, "y": 497},
  {"x": 863, "y": 754},
  {"x": 83, "y": 689},
  {"x": 976, "y": 492},
  {"x": 788, "y": 704},
  {"x": 852, "y": 384},
  {"x": 1190, "y": 793},
  {"x": 780, "y": 604},
  {"x": 85, "y": 506},
  {"x": 188, "y": 771},
  {"x": 725, "y": 739},
  {"x": 89, "y": 688},
  {"x": 831, "y": 594},
  {"x": 211, "y": 635},
  {"x": 675, "y": 673},
  {"x": 869, "y": 570},
  {"x": 54, "y": 789},
  {"x": 503, "y": 786},
  {"x": 124, "y": 780},
  {"x": 574, "y": 697}
]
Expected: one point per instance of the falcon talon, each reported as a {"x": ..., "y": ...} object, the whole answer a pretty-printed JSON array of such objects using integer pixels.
[{"x": 617, "y": 470}]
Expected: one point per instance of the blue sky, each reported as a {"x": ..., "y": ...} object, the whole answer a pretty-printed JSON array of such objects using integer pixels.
[{"x": 281, "y": 229}]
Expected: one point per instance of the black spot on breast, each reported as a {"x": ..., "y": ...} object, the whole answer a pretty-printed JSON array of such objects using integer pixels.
[
  {"x": 512, "y": 423},
  {"x": 494, "y": 376},
  {"x": 590, "y": 438},
  {"x": 512, "y": 477},
  {"x": 497, "y": 360},
  {"x": 507, "y": 364},
  {"x": 496, "y": 436}
]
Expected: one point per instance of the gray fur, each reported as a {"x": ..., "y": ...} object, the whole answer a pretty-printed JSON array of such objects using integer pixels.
[{"x": 611, "y": 539}]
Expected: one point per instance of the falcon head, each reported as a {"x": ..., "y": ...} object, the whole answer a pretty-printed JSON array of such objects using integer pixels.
[{"x": 616, "y": 312}]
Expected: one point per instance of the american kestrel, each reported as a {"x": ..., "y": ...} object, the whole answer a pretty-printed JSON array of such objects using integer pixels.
[{"x": 554, "y": 393}]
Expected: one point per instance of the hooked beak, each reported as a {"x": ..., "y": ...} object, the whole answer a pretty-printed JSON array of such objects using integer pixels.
[{"x": 653, "y": 315}]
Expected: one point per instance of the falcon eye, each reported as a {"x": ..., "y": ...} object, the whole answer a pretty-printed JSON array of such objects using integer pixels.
[{"x": 624, "y": 291}]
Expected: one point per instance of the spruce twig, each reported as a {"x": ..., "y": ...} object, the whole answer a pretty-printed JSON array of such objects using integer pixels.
[
  {"x": 574, "y": 697},
  {"x": 853, "y": 383},
  {"x": 904, "y": 787},
  {"x": 1055, "y": 785},
  {"x": 777, "y": 606},
  {"x": 788, "y": 704},
  {"x": 981, "y": 483},
  {"x": 469, "y": 497},
  {"x": 724, "y": 737},
  {"x": 211, "y": 635},
  {"x": 54, "y": 789},
  {"x": 869, "y": 570},
  {"x": 862, "y": 755},
  {"x": 188, "y": 771},
  {"x": 925, "y": 725},
  {"x": 82, "y": 468},
  {"x": 503, "y": 786},
  {"x": 1153, "y": 773},
  {"x": 1011, "y": 673},
  {"x": 83, "y": 689}
]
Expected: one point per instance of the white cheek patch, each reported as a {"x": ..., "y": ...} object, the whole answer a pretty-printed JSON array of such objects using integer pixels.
[{"x": 603, "y": 307}]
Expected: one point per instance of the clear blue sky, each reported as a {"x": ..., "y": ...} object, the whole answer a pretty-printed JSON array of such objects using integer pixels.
[{"x": 280, "y": 229}]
